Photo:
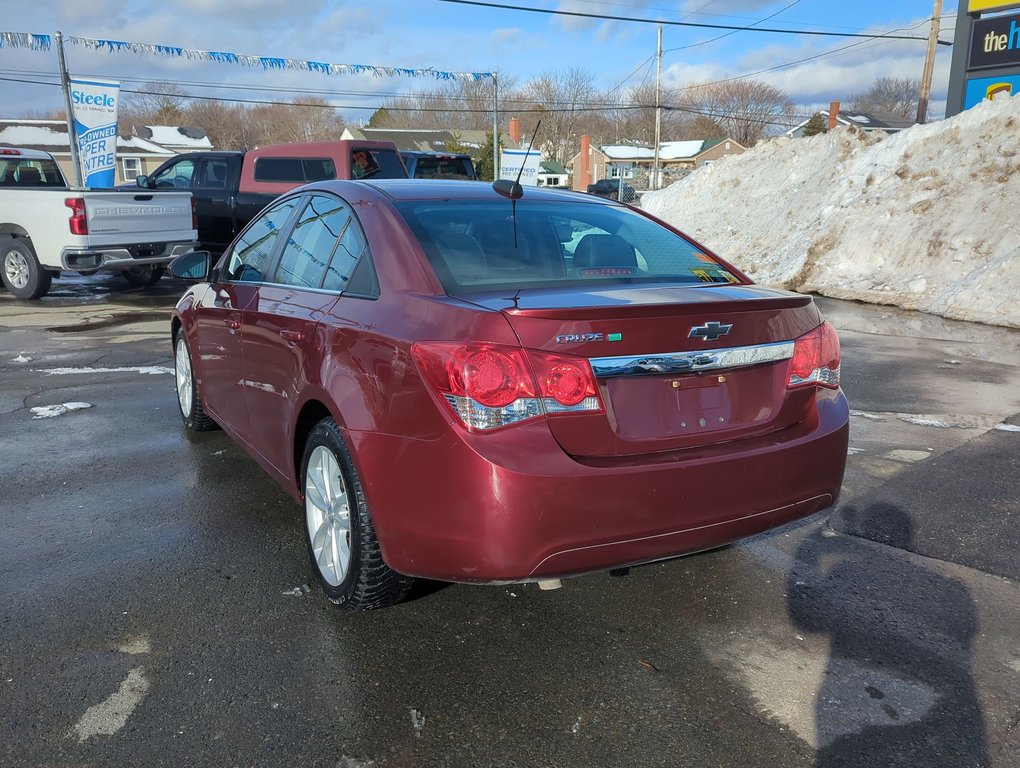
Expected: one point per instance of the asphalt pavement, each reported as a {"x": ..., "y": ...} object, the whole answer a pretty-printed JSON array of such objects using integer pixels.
[{"x": 154, "y": 608}]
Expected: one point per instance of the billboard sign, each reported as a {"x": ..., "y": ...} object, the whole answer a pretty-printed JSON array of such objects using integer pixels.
[
  {"x": 995, "y": 42},
  {"x": 511, "y": 160},
  {"x": 984, "y": 6},
  {"x": 981, "y": 88},
  {"x": 94, "y": 109}
]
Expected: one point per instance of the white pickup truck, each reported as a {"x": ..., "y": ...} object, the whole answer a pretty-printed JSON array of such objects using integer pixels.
[{"x": 47, "y": 228}]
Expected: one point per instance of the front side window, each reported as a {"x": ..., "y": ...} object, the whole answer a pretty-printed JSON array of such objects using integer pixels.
[
  {"x": 311, "y": 243},
  {"x": 250, "y": 255},
  {"x": 472, "y": 246},
  {"x": 176, "y": 176}
]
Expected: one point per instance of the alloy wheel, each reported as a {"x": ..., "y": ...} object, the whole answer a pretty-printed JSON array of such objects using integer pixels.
[
  {"x": 183, "y": 375},
  {"x": 328, "y": 516},
  {"x": 16, "y": 268}
]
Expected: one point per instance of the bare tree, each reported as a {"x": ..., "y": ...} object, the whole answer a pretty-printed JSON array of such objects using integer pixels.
[
  {"x": 746, "y": 110},
  {"x": 160, "y": 103},
  {"x": 895, "y": 95}
]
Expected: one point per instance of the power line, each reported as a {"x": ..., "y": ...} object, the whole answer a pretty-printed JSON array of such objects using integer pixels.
[
  {"x": 668, "y": 22},
  {"x": 731, "y": 32},
  {"x": 526, "y": 110}
]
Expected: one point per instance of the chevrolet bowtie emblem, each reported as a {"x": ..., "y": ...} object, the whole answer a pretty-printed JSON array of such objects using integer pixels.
[{"x": 711, "y": 331}]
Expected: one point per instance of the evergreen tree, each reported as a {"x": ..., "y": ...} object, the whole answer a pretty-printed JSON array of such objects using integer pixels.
[{"x": 817, "y": 124}]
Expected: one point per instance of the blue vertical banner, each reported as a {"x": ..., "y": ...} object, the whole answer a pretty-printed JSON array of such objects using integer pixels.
[{"x": 94, "y": 109}]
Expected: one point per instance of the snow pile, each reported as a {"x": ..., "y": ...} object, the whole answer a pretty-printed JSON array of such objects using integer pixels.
[{"x": 925, "y": 219}]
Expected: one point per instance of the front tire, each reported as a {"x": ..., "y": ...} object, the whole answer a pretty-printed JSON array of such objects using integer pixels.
[
  {"x": 22, "y": 274},
  {"x": 189, "y": 400},
  {"x": 143, "y": 275},
  {"x": 339, "y": 534}
]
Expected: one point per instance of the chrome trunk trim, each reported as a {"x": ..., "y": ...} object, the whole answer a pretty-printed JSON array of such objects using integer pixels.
[{"x": 691, "y": 362}]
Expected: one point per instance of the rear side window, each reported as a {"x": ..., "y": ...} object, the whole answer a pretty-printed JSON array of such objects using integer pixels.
[
  {"x": 298, "y": 170},
  {"x": 473, "y": 247},
  {"x": 312, "y": 242}
]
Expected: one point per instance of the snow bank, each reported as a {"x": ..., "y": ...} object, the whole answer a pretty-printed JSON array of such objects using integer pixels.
[{"x": 925, "y": 219}]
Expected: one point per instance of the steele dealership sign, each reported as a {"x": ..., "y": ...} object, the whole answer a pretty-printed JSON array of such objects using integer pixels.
[{"x": 995, "y": 42}]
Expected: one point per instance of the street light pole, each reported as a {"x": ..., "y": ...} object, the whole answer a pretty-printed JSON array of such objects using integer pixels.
[{"x": 929, "y": 64}]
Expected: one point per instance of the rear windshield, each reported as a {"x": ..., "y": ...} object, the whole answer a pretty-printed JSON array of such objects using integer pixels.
[
  {"x": 26, "y": 172},
  {"x": 294, "y": 169},
  {"x": 443, "y": 168},
  {"x": 470, "y": 244}
]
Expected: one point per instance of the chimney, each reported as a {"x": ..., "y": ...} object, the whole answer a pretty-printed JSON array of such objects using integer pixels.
[
  {"x": 514, "y": 130},
  {"x": 833, "y": 114},
  {"x": 584, "y": 179}
]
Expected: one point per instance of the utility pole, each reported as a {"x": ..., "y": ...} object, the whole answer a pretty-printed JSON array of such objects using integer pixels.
[
  {"x": 72, "y": 134},
  {"x": 495, "y": 129},
  {"x": 658, "y": 113},
  {"x": 929, "y": 63}
]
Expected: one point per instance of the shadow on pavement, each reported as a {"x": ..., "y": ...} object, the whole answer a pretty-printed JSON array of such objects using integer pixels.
[{"x": 908, "y": 703}]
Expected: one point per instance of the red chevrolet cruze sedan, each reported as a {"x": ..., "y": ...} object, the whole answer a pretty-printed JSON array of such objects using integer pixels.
[{"x": 469, "y": 383}]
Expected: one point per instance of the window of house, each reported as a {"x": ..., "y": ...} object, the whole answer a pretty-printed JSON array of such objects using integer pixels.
[{"x": 130, "y": 167}]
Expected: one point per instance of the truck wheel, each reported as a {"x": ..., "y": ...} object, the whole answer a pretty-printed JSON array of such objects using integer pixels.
[
  {"x": 143, "y": 275},
  {"x": 22, "y": 274},
  {"x": 339, "y": 533}
]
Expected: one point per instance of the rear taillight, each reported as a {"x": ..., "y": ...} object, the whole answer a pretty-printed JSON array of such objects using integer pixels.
[
  {"x": 490, "y": 386},
  {"x": 815, "y": 359},
  {"x": 78, "y": 222},
  {"x": 194, "y": 214}
]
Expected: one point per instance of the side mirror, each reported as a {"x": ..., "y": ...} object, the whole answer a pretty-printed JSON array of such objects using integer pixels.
[
  {"x": 193, "y": 265},
  {"x": 142, "y": 180}
]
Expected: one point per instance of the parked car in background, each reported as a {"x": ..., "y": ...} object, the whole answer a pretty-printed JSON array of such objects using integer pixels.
[
  {"x": 231, "y": 187},
  {"x": 438, "y": 165},
  {"x": 46, "y": 227},
  {"x": 610, "y": 188},
  {"x": 450, "y": 396}
]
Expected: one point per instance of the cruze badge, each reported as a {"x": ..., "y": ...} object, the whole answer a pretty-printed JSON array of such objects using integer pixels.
[
  {"x": 710, "y": 331},
  {"x": 578, "y": 338}
]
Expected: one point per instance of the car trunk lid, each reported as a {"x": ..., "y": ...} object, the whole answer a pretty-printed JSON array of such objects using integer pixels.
[{"x": 676, "y": 366}]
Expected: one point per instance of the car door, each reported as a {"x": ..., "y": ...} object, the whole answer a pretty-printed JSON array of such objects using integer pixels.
[
  {"x": 219, "y": 316},
  {"x": 280, "y": 327},
  {"x": 214, "y": 185}
]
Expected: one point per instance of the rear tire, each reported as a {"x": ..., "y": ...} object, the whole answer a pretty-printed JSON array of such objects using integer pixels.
[
  {"x": 189, "y": 400},
  {"x": 22, "y": 274},
  {"x": 339, "y": 534},
  {"x": 143, "y": 275}
]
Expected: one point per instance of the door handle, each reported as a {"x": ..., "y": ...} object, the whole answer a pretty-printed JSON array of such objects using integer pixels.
[
  {"x": 292, "y": 336},
  {"x": 234, "y": 325}
]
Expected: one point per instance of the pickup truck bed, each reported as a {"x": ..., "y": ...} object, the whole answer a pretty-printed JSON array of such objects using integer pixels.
[{"x": 47, "y": 228}]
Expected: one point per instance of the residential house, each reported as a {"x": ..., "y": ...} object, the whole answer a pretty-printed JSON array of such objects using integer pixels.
[
  {"x": 552, "y": 174},
  {"x": 135, "y": 154},
  {"x": 869, "y": 122},
  {"x": 635, "y": 162},
  {"x": 427, "y": 140}
]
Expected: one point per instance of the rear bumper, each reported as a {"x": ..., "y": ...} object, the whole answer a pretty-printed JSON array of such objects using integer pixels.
[
  {"x": 512, "y": 506},
  {"x": 121, "y": 256}
]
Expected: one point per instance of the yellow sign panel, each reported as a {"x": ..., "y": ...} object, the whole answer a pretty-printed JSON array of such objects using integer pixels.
[{"x": 980, "y": 6}]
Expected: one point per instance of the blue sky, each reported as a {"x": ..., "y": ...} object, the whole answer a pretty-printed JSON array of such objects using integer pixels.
[{"x": 430, "y": 33}]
